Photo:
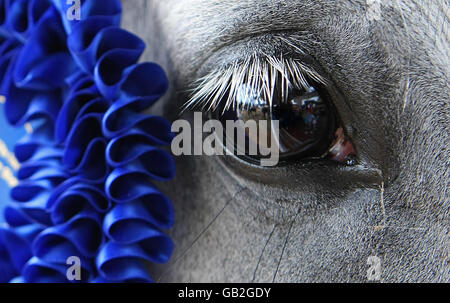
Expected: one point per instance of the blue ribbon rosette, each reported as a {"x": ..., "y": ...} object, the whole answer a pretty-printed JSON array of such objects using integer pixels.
[{"x": 85, "y": 180}]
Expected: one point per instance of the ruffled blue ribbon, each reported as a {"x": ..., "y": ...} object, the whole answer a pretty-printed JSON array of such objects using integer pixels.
[{"x": 85, "y": 178}]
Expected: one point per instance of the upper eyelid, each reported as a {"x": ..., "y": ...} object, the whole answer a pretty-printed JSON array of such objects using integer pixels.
[
  {"x": 261, "y": 72},
  {"x": 281, "y": 43}
]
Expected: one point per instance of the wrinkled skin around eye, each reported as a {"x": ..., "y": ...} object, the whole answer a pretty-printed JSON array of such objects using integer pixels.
[{"x": 315, "y": 222}]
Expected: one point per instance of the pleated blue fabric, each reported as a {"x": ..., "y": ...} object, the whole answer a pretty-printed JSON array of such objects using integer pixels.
[{"x": 85, "y": 182}]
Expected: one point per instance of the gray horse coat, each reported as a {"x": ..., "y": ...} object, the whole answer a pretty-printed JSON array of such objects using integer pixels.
[{"x": 312, "y": 222}]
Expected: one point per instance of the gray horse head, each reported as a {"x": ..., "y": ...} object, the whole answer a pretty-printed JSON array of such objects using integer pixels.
[{"x": 311, "y": 221}]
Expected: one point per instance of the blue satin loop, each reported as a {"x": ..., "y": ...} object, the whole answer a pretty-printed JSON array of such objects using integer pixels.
[
  {"x": 82, "y": 99},
  {"x": 124, "y": 262},
  {"x": 15, "y": 249},
  {"x": 84, "y": 182},
  {"x": 132, "y": 152},
  {"x": 19, "y": 241},
  {"x": 21, "y": 16},
  {"x": 73, "y": 197},
  {"x": 80, "y": 236},
  {"x": 93, "y": 38},
  {"x": 90, "y": 9},
  {"x": 27, "y": 146},
  {"x": 135, "y": 96},
  {"x": 38, "y": 271},
  {"x": 85, "y": 149},
  {"x": 37, "y": 63}
]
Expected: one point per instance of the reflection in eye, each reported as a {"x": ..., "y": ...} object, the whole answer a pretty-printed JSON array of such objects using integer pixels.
[{"x": 282, "y": 90}]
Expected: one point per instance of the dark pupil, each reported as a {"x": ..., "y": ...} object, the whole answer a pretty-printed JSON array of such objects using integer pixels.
[{"x": 306, "y": 121}]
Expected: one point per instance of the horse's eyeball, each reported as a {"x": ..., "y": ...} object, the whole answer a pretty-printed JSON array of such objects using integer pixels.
[{"x": 309, "y": 127}]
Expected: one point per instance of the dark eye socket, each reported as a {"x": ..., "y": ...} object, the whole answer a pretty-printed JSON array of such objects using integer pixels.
[
  {"x": 309, "y": 125},
  {"x": 289, "y": 102}
]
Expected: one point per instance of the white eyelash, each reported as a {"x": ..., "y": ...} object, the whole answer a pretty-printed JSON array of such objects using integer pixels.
[{"x": 260, "y": 73}]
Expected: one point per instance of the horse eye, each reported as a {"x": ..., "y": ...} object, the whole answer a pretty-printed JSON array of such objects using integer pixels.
[{"x": 309, "y": 126}]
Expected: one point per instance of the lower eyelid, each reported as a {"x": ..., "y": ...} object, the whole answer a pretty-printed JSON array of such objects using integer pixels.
[{"x": 303, "y": 176}]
